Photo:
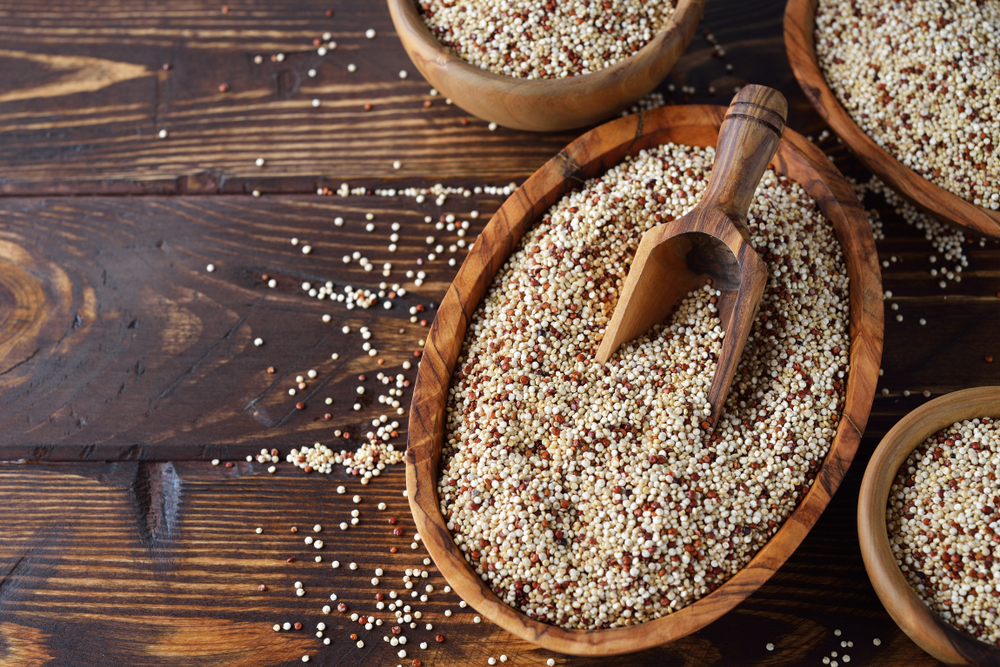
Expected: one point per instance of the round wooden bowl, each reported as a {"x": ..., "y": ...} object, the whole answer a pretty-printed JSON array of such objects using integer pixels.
[
  {"x": 799, "y": 27},
  {"x": 545, "y": 105},
  {"x": 923, "y": 626},
  {"x": 591, "y": 155}
]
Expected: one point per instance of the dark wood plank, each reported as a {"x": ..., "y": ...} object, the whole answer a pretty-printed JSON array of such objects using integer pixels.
[
  {"x": 117, "y": 343},
  {"x": 158, "y": 564},
  {"x": 112, "y": 246},
  {"x": 84, "y": 96},
  {"x": 151, "y": 559}
]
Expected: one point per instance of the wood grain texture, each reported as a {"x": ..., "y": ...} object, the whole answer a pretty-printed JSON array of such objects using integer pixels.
[
  {"x": 711, "y": 242},
  {"x": 799, "y": 41},
  {"x": 821, "y": 587},
  {"x": 83, "y": 95},
  {"x": 158, "y": 564},
  {"x": 587, "y": 157},
  {"x": 103, "y": 140},
  {"x": 75, "y": 121},
  {"x": 546, "y": 105},
  {"x": 934, "y": 635},
  {"x": 117, "y": 343}
]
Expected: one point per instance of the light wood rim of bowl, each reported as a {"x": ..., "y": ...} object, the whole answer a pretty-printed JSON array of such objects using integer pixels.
[
  {"x": 913, "y": 616},
  {"x": 546, "y": 104},
  {"x": 594, "y": 153},
  {"x": 799, "y": 43}
]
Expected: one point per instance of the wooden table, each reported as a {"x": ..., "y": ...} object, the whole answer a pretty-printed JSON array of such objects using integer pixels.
[{"x": 126, "y": 366}]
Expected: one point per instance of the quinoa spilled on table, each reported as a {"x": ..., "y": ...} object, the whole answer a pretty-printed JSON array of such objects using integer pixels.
[
  {"x": 594, "y": 497},
  {"x": 943, "y": 520},
  {"x": 544, "y": 40},
  {"x": 922, "y": 79}
]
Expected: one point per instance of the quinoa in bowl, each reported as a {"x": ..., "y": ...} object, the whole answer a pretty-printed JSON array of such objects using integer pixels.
[{"x": 596, "y": 497}]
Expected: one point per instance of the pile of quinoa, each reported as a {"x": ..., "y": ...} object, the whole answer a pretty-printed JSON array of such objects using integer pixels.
[
  {"x": 922, "y": 79},
  {"x": 943, "y": 519},
  {"x": 548, "y": 39},
  {"x": 594, "y": 497}
]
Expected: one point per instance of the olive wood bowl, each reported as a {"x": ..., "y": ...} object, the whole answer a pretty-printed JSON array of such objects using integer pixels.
[
  {"x": 799, "y": 29},
  {"x": 942, "y": 640},
  {"x": 545, "y": 105},
  {"x": 591, "y": 155}
]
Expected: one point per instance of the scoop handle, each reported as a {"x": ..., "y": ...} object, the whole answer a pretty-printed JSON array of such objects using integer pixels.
[{"x": 748, "y": 139}]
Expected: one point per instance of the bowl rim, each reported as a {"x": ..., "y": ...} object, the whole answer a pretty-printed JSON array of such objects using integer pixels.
[
  {"x": 914, "y": 617},
  {"x": 630, "y": 75},
  {"x": 799, "y": 23},
  {"x": 594, "y": 153}
]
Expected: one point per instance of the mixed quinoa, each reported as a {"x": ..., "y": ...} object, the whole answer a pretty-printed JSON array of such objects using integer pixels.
[{"x": 594, "y": 496}]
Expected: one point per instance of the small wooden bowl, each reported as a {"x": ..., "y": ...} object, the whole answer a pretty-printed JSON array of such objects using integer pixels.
[
  {"x": 591, "y": 155},
  {"x": 923, "y": 626},
  {"x": 800, "y": 16},
  {"x": 545, "y": 105}
]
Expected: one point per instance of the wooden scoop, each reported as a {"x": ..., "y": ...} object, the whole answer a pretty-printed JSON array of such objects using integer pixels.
[{"x": 710, "y": 242}]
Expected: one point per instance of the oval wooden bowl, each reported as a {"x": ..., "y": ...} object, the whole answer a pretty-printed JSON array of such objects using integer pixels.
[
  {"x": 545, "y": 105},
  {"x": 799, "y": 26},
  {"x": 923, "y": 626},
  {"x": 591, "y": 155}
]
